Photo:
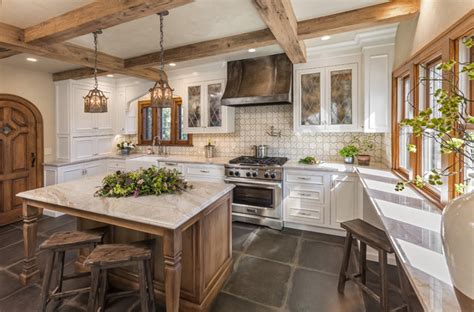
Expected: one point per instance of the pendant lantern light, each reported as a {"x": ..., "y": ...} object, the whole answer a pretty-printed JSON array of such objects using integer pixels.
[
  {"x": 95, "y": 101},
  {"x": 161, "y": 95}
]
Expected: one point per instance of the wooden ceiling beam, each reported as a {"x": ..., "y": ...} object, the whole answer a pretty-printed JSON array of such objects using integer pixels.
[
  {"x": 4, "y": 53},
  {"x": 376, "y": 15},
  {"x": 78, "y": 73},
  {"x": 385, "y": 13},
  {"x": 11, "y": 38},
  {"x": 99, "y": 14},
  {"x": 281, "y": 20}
]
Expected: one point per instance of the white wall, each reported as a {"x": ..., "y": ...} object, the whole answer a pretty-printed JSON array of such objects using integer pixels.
[
  {"x": 434, "y": 18},
  {"x": 38, "y": 88}
]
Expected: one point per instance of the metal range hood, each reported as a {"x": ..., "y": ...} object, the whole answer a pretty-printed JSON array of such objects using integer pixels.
[{"x": 259, "y": 81}]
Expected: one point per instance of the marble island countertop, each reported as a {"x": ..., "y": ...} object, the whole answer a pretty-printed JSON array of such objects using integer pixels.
[
  {"x": 167, "y": 210},
  {"x": 413, "y": 226}
]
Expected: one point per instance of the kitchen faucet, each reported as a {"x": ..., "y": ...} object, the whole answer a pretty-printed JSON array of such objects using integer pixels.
[{"x": 156, "y": 140}]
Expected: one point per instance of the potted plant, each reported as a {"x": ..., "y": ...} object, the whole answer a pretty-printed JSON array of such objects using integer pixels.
[
  {"x": 349, "y": 152},
  {"x": 364, "y": 144},
  {"x": 125, "y": 147},
  {"x": 448, "y": 126}
]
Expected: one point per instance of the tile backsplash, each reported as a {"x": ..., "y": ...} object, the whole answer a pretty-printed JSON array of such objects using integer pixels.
[{"x": 250, "y": 129}]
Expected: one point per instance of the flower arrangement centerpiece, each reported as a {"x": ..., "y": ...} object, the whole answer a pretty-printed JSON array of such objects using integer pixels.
[
  {"x": 125, "y": 147},
  {"x": 150, "y": 181}
]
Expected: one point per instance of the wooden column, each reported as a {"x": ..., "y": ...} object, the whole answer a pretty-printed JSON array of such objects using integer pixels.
[
  {"x": 172, "y": 250},
  {"x": 30, "y": 270}
]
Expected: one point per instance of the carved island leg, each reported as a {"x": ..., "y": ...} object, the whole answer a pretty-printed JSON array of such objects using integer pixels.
[
  {"x": 172, "y": 249},
  {"x": 30, "y": 270}
]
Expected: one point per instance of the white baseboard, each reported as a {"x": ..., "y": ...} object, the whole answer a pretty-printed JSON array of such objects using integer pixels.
[
  {"x": 312, "y": 228},
  {"x": 51, "y": 213}
]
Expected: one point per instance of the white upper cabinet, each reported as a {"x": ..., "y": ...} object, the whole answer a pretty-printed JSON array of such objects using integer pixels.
[
  {"x": 378, "y": 63},
  {"x": 326, "y": 98},
  {"x": 203, "y": 112}
]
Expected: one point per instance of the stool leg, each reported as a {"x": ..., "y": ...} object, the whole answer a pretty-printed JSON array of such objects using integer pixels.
[
  {"x": 363, "y": 262},
  {"x": 345, "y": 263},
  {"x": 103, "y": 290},
  {"x": 46, "y": 281},
  {"x": 95, "y": 274},
  {"x": 149, "y": 279},
  {"x": 384, "y": 307},
  {"x": 403, "y": 284},
  {"x": 60, "y": 270},
  {"x": 142, "y": 280}
]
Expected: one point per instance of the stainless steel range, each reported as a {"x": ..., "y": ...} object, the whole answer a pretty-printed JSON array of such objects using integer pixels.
[{"x": 258, "y": 192}]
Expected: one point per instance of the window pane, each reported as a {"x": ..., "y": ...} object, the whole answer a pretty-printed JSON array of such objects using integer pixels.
[
  {"x": 181, "y": 136},
  {"x": 469, "y": 170},
  {"x": 431, "y": 155},
  {"x": 165, "y": 123},
  {"x": 194, "y": 106},
  {"x": 147, "y": 123},
  {"x": 405, "y": 137},
  {"x": 214, "y": 95},
  {"x": 311, "y": 99},
  {"x": 341, "y": 97}
]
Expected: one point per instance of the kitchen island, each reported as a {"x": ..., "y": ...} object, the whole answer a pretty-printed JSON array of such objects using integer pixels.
[{"x": 192, "y": 232}]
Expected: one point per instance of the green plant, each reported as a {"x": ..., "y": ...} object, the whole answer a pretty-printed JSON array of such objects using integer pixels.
[
  {"x": 447, "y": 125},
  {"x": 151, "y": 181},
  {"x": 309, "y": 160},
  {"x": 126, "y": 145},
  {"x": 364, "y": 144},
  {"x": 349, "y": 151}
]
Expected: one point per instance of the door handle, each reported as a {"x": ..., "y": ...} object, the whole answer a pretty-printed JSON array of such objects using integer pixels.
[{"x": 33, "y": 160}]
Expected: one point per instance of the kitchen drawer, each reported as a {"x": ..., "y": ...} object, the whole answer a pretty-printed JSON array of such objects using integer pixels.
[
  {"x": 119, "y": 164},
  {"x": 171, "y": 165},
  {"x": 205, "y": 171},
  {"x": 303, "y": 204},
  {"x": 304, "y": 177},
  {"x": 313, "y": 193},
  {"x": 305, "y": 216}
]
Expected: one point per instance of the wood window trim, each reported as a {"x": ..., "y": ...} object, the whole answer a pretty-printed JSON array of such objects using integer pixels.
[{"x": 175, "y": 141}]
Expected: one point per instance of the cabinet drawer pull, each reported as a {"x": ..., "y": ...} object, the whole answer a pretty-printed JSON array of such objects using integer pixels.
[
  {"x": 171, "y": 164},
  {"x": 304, "y": 214},
  {"x": 305, "y": 194},
  {"x": 204, "y": 171},
  {"x": 304, "y": 178}
]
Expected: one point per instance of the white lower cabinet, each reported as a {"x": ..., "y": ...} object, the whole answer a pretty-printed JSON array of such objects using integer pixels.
[
  {"x": 55, "y": 175},
  {"x": 171, "y": 165},
  {"x": 114, "y": 165},
  {"x": 198, "y": 172},
  {"x": 319, "y": 199}
]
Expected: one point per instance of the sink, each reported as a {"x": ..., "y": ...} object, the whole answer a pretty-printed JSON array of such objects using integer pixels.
[{"x": 150, "y": 158}]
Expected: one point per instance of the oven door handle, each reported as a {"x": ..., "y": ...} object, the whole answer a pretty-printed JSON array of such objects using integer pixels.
[{"x": 253, "y": 183}]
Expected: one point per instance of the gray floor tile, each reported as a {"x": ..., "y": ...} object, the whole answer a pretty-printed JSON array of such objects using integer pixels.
[
  {"x": 321, "y": 256},
  {"x": 8, "y": 284},
  {"x": 11, "y": 237},
  {"x": 228, "y": 303},
  {"x": 260, "y": 280},
  {"x": 240, "y": 235},
  {"x": 11, "y": 254},
  {"x": 291, "y": 232},
  {"x": 21, "y": 301},
  {"x": 324, "y": 237},
  {"x": 47, "y": 224},
  {"x": 6, "y": 228},
  {"x": 272, "y": 245},
  {"x": 315, "y": 291},
  {"x": 69, "y": 226}
]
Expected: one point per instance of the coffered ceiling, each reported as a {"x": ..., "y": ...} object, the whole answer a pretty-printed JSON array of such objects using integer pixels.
[{"x": 198, "y": 21}]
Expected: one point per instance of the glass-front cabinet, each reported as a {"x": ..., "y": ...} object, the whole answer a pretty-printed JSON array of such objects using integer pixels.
[
  {"x": 326, "y": 99},
  {"x": 203, "y": 111}
]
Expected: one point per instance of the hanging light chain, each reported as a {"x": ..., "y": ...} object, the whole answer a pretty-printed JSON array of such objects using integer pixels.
[
  {"x": 162, "y": 52},
  {"x": 95, "y": 58}
]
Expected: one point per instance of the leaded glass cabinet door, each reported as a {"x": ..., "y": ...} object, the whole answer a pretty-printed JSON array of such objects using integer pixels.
[
  {"x": 214, "y": 109},
  {"x": 194, "y": 106},
  {"x": 342, "y": 97},
  {"x": 309, "y": 90}
]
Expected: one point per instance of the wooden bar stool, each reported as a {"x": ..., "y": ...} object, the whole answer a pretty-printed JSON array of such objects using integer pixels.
[
  {"x": 109, "y": 256},
  {"x": 368, "y": 235},
  {"x": 56, "y": 246}
]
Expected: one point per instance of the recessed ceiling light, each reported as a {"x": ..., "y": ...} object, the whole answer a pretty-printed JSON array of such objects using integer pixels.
[
  {"x": 172, "y": 64},
  {"x": 324, "y": 38},
  {"x": 110, "y": 76},
  {"x": 31, "y": 59},
  {"x": 252, "y": 50}
]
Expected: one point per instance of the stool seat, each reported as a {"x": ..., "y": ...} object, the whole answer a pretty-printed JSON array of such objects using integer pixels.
[
  {"x": 369, "y": 234},
  {"x": 69, "y": 239},
  {"x": 109, "y": 254}
]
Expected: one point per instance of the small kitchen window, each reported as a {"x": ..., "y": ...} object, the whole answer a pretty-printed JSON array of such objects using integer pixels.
[{"x": 166, "y": 123}]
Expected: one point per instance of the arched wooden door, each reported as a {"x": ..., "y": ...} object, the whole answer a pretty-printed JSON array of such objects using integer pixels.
[{"x": 21, "y": 153}]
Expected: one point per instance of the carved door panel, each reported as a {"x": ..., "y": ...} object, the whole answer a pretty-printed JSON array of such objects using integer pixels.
[{"x": 18, "y": 157}]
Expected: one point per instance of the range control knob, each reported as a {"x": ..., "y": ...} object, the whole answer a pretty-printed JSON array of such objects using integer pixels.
[
  {"x": 231, "y": 172},
  {"x": 254, "y": 174},
  {"x": 248, "y": 174},
  {"x": 273, "y": 175},
  {"x": 237, "y": 174},
  {"x": 266, "y": 175}
]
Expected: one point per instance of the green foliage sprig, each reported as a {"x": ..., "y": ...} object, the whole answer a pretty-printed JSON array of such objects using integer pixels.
[
  {"x": 151, "y": 181},
  {"x": 349, "y": 151}
]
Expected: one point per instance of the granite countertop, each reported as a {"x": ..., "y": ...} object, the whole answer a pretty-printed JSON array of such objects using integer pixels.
[
  {"x": 331, "y": 166},
  {"x": 168, "y": 210},
  {"x": 413, "y": 226}
]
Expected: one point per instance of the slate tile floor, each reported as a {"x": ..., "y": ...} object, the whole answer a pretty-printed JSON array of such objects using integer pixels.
[{"x": 287, "y": 271}]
